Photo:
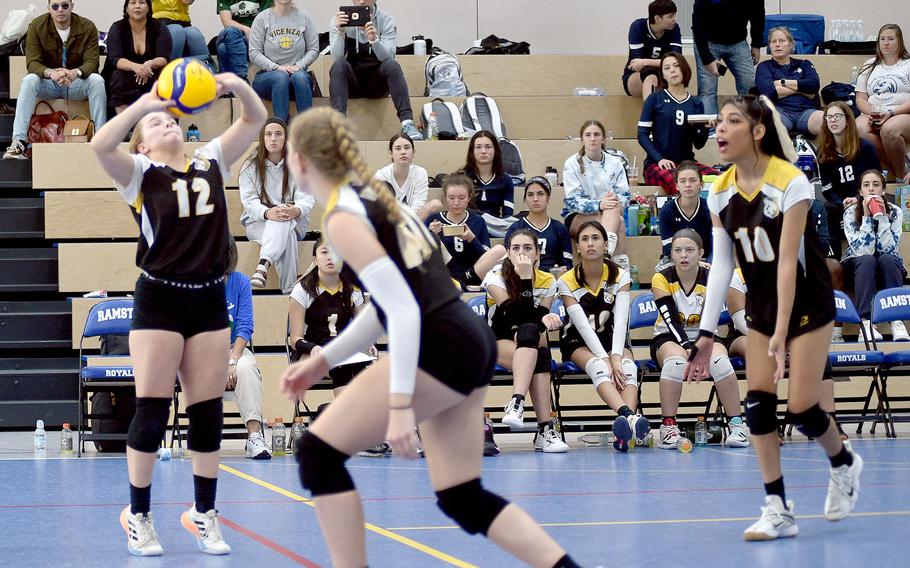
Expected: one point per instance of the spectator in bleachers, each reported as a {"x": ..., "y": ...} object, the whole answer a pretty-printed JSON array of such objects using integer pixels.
[
  {"x": 791, "y": 84},
  {"x": 496, "y": 189},
  {"x": 186, "y": 40},
  {"x": 364, "y": 64},
  {"x": 555, "y": 244},
  {"x": 872, "y": 261},
  {"x": 679, "y": 293},
  {"x": 597, "y": 189},
  {"x": 719, "y": 30},
  {"x": 463, "y": 233},
  {"x": 519, "y": 297},
  {"x": 596, "y": 297},
  {"x": 409, "y": 181},
  {"x": 276, "y": 213},
  {"x": 284, "y": 42},
  {"x": 842, "y": 157},
  {"x": 244, "y": 377},
  {"x": 61, "y": 56},
  {"x": 138, "y": 46},
  {"x": 649, "y": 40},
  {"x": 664, "y": 130},
  {"x": 688, "y": 210},
  {"x": 883, "y": 96},
  {"x": 321, "y": 306},
  {"x": 233, "y": 42}
]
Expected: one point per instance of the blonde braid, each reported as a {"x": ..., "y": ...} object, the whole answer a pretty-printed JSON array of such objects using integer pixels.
[{"x": 347, "y": 147}]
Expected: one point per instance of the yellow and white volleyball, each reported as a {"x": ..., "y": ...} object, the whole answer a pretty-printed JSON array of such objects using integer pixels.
[{"x": 189, "y": 84}]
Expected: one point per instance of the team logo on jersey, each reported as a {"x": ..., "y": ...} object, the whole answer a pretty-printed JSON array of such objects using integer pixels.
[
  {"x": 699, "y": 302},
  {"x": 770, "y": 209},
  {"x": 608, "y": 297},
  {"x": 201, "y": 164}
]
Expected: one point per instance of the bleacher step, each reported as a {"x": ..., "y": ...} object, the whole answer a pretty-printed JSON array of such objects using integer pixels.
[
  {"x": 28, "y": 269},
  {"x": 15, "y": 174},
  {"x": 22, "y": 218}
]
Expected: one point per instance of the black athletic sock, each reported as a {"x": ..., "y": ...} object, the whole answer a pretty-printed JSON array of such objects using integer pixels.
[
  {"x": 842, "y": 458},
  {"x": 541, "y": 426},
  {"x": 776, "y": 487},
  {"x": 625, "y": 411},
  {"x": 520, "y": 397},
  {"x": 140, "y": 499},
  {"x": 205, "y": 487},
  {"x": 566, "y": 562}
]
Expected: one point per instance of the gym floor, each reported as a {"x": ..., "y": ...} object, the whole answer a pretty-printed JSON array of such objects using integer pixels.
[{"x": 644, "y": 508}]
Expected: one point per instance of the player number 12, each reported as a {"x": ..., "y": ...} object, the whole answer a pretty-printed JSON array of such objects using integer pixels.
[{"x": 201, "y": 187}]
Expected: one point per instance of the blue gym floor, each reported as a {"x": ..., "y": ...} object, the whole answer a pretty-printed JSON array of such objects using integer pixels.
[{"x": 645, "y": 508}]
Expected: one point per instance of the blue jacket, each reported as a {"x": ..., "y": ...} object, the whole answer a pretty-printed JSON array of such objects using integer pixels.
[
  {"x": 240, "y": 305},
  {"x": 769, "y": 73}
]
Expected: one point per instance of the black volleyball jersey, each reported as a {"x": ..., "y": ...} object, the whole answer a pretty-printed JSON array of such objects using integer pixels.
[
  {"x": 182, "y": 216},
  {"x": 410, "y": 245},
  {"x": 324, "y": 316},
  {"x": 597, "y": 303},
  {"x": 754, "y": 223}
]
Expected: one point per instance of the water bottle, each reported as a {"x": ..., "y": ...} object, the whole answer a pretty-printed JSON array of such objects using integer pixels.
[
  {"x": 633, "y": 273},
  {"x": 66, "y": 439},
  {"x": 192, "y": 134},
  {"x": 178, "y": 453},
  {"x": 805, "y": 157},
  {"x": 278, "y": 438},
  {"x": 296, "y": 433},
  {"x": 40, "y": 436},
  {"x": 632, "y": 221},
  {"x": 701, "y": 432},
  {"x": 684, "y": 445},
  {"x": 433, "y": 127},
  {"x": 588, "y": 92},
  {"x": 854, "y": 74},
  {"x": 554, "y": 420},
  {"x": 164, "y": 454},
  {"x": 420, "y": 45}
]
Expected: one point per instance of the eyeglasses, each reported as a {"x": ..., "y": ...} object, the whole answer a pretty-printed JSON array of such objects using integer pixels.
[
  {"x": 62, "y": 6},
  {"x": 835, "y": 117}
]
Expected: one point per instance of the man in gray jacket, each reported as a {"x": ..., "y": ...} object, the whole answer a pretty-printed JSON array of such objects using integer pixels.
[{"x": 364, "y": 64}]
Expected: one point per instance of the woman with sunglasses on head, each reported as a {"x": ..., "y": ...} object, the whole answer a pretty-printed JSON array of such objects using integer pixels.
[
  {"x": 180, "y": 319},
  {"x": 426, "y": 378},
  {"x": 762, "y": 203},
  {"x": 883, "y": 96},
  {"x": 552, "y": 235}
]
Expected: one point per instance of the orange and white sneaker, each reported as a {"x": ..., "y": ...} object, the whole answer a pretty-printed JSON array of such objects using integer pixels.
[
  {"x": 142, "y": 540},
  {"x": 205, "y": 528}
]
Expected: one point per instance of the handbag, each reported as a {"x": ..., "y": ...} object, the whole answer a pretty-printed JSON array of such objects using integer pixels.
[
  {"x": 79, "y": 129},
  {"x": 47, "y": 127}
]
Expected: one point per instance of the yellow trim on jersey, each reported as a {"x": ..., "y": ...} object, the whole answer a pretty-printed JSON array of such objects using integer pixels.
[
  {"x": 659, "y": 282},
  {"x": 574, "y": 284},
  {"x": 543, "y": 279},
  {"x": 778, "y": 174},
  {"x": 333, "y": 198},
  {"x": 137, "y": 204}
]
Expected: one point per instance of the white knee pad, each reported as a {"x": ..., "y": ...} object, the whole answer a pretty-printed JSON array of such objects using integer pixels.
[
  {"x": 612, "y": 239},
  {"x": 673, "y": 369},
  {"x": 739, "y": 322},
  {"x": 721, "y": 368},
  {"x": 630, "y": 370},
  {"x": 599, "y": 371},
  {"x": 622, "y": 260}
]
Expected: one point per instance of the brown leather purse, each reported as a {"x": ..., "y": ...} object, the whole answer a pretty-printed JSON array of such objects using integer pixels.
[{"x": 47, "y": 127}]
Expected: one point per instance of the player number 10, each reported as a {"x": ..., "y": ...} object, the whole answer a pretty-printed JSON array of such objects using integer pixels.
[{"x": 762, "y": 245}]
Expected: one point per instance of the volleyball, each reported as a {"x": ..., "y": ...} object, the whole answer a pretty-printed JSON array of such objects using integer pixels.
[{"x": 189, "y": 84}]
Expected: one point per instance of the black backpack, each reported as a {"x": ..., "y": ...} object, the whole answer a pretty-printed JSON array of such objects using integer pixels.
[
  {"x": 841, "y": 92},
  {"x": 117, "y": 406},
  {"x": 493, "y": 45}
]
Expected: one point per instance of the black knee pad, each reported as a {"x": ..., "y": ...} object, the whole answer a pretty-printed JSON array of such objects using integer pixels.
[
  {"x": 812, "y": 422},
  {"x": 761, "y": 412},
  {"x": 471, "y": 506},
  {"x": 527, "y": 336},
  {"x": 322, "y": 468},
  {"x": 149, "y": 424},
  {"x": 543, "y": 360},
  {"x": 206, "y": 423}
]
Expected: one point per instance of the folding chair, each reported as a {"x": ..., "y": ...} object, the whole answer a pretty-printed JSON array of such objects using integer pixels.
[
  {"x": 107, "y": 317},
  {"x": 887, "y": 306}
]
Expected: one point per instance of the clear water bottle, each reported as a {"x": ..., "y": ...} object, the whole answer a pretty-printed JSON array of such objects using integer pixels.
[
  {"x": 701, "y": 432},
  {"x": 279, "y": 447},
  {"x": 66, "y": 439},
  {"x": 420, "y": 48},
  {"x": 433, "y": 127},
  {"x": 854, "y": 74},
  {"x": 178, "y": 453},
  {"x": 40, "y": 436},
  {"x": 296, "y": 433},
  {"x": 684, "y": 444},
  {"x": 633, "y": 274}
]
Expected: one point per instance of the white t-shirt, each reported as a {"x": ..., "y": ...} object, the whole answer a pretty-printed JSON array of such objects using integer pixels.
[
  {"x": 413, "y": 192},
  {"x": 888, "y": 86},
  {"x": 64, "y": 34}
]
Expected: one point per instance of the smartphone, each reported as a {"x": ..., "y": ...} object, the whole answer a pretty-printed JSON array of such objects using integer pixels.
[
  {"x": 358, "y": 16},
  {"x": 453, "y": 230},
  {"x": 721, "y": 69}
]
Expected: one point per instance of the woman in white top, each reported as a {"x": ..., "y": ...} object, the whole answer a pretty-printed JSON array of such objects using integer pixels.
[
  {"x": 409, "y": 181},
  {"x": 275, "y": 212},
  {"x": 597, "y": 189},
  {"x": 883, "y": 95}
]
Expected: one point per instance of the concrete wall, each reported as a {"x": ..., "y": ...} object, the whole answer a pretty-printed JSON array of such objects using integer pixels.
[{"x": 597, "y": 27}]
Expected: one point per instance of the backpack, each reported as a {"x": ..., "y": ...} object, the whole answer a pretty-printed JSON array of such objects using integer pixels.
[
  {"x": 443, "y": 75},
  {"x": 841, "y": 92},
  {"x": 492, "y": 45},
  {"x": 448, "y": 120},
  {"x": 621, "y": 156},
  {"x": 115, "y": 408},
  {"x": 511, "y": 161},
  {"x": 480, "y": 112}
]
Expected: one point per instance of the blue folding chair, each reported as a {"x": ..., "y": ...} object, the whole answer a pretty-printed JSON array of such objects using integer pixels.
[
  {"x": 105, "y": 318},
  {"x": 887, "y": 306}
]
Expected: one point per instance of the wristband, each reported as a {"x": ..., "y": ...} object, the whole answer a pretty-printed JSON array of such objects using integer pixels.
[
  {"x": 705, "y": 333},
  {"x": 527, "y": 287},
  {"x": 303, "y": 347}
]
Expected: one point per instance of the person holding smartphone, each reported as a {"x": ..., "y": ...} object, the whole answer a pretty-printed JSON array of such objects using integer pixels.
[{"x": 363, "y": 54}]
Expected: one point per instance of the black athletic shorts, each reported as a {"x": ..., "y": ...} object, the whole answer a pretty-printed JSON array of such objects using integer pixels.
[
  {"x": 662, "y": 338},
  {"x": 185, "y": 308},
  {"x": 732, "y": 336},
  {"x": 466, "y": 278},
  {"x": 342, "y": 376},
  {"x": 644, "y": 74},
  {"x": 457, "y": 347},
  {"x": 569, "y": 345}
]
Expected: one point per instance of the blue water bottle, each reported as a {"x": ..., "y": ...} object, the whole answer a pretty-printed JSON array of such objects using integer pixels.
[{"x": 632, "y": 221}]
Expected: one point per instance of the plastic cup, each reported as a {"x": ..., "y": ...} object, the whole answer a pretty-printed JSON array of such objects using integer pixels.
[{"x": 634, "y": 172}]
